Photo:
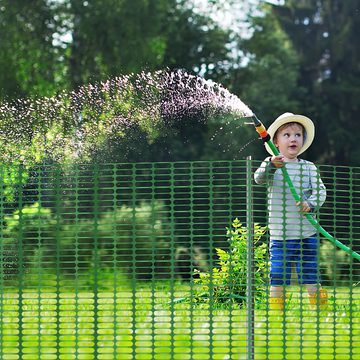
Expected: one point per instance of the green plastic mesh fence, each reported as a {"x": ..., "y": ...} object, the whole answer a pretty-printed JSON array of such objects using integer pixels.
[{"x": 187, "y": 260}]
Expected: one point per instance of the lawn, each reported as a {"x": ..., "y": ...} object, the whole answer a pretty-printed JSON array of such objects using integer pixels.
[{"x": 144, "y": 322}]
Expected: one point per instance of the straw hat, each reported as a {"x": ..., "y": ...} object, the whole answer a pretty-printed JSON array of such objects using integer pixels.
[{"x": 290, "y": 117}]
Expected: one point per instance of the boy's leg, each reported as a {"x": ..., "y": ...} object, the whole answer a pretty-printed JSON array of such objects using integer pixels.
[
  {"x": 317, "y": 296},
  {"x": 310, "y": 273},
  {"x": 276, "y": 299},
  {"x": 280, "y": 273}
]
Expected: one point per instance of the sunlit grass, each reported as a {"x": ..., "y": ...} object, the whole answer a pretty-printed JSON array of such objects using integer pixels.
[{"x": 145, "y": 323}]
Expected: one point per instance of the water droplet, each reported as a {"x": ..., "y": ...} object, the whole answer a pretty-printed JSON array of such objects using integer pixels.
[{"x": 72, "y": 124}]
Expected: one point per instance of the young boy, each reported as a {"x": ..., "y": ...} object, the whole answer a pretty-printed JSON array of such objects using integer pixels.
[{"x": 293, "y": 239}]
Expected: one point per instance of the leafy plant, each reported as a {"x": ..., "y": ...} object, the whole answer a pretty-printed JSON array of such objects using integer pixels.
[
  {"x": 226, "y": 283},
  {"x": 335, "y": 265},
  {"x": 28, "y": 239},
  {"x": 135, "y": 239},
  {"x": 12, "y": 176}
]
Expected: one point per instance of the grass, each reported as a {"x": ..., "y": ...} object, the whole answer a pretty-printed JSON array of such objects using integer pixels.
[{"x": 145, "y": 323}]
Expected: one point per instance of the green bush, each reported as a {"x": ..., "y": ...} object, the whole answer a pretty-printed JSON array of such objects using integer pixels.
[
  {"x": 137, "y": 239},
  {"x": 226, "y": 283},
  {"x": 12, "y": 177},
  {"x": 335, "y": 265},
  {"x": 134, "y": 239},
  {"x": 77, "y": 246},
  {"x": 28, "y": 240}
]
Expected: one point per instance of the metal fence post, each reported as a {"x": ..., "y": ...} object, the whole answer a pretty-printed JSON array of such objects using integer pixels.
[{"x": 249, "y": 262}]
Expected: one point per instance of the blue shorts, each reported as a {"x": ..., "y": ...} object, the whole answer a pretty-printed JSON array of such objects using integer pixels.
[{"x": 302, "y": 253}]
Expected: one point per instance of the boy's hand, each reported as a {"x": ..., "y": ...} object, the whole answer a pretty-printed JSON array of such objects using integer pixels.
[
  {"x": 304, "y": 207},
  {"x": 278, "y": 161}
]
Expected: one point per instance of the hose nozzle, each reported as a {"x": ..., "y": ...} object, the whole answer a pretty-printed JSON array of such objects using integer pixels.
[
  {"x": 260, "y": 128},
  {"x": 256, "y": 121}
]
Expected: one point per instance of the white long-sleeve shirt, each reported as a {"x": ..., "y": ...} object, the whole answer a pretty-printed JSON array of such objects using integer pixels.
[{"x": 285, "y": 221}]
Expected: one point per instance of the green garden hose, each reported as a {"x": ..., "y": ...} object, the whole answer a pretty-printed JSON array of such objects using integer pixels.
[{"x": 260, "y": 128}]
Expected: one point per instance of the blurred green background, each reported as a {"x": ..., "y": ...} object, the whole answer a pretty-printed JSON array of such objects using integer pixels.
[{"x": 276, "y": 56}]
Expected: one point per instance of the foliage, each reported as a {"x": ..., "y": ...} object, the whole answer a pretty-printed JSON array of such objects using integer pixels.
[
  {"x": 196, "y": 42},
  {"x": 272, "y": 70},
  {"x": 297, "y": 56},
  {"x": 12, "y": 177},
  {"x": 59, "y": 45},
  {"x": 324, "y": 36},
  {"x": 71, "y": 43},
  {"x": 336, "y": 265},
  {"x": 114, "y": 37},
  {"x": 28, "y": 239},
  {"x": 134, "y": 239},
  {"x": 30, "y": 61},
  {"x": 226, "y": 284}
]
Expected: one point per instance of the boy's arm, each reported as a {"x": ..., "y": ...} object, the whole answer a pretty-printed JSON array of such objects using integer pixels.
[
  {"x": 266, "y": 168},
  {"x": 318, "y": 193}
]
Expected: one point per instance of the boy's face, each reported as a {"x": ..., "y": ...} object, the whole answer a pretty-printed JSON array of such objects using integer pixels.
[{"x": 289, "y": 140}]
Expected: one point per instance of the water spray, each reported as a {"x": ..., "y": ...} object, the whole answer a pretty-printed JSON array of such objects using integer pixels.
[
  {"x": 70, "y": 126},
  {"x": 266, "y": 138}
]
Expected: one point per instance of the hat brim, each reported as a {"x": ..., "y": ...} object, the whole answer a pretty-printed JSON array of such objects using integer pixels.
[{"x": 303, "y": 120}]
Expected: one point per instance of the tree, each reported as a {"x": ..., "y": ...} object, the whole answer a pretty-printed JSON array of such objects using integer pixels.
[
  {"x": 120, "y": 37},
  {"x": 29, "y": 58},
  {"x": 196, "y": 43},
  {"x": 73, "y": 43},
  {"x": 114, "y": 37},
  {"x": 324, "y": 35},
  {"x": 268, "y": 82},
  {"x": 126, "y": 37}
]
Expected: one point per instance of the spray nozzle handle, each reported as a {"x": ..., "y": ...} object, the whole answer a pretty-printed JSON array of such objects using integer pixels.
[
  {"x": 256, "y": 121},
  {"x": 261, "y": 130}
]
